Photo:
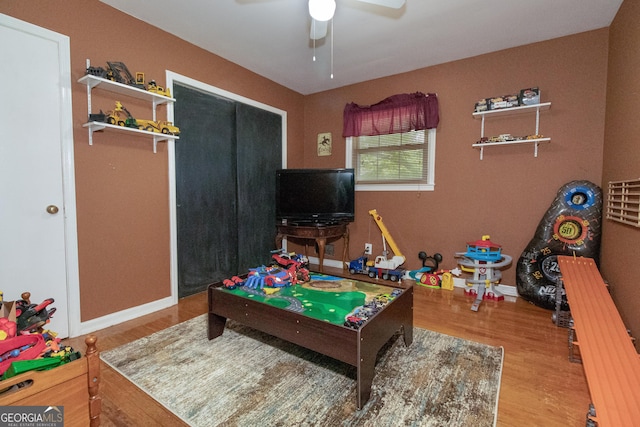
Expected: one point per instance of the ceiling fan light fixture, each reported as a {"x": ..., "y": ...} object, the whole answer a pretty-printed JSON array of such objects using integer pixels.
[{"x": 322, "y": 10}]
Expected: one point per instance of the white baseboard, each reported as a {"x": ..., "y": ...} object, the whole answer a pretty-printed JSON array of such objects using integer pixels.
[
  {"x": 458, "y": 282},
  {"x": 506, "y": 290},
  {"x": 327, "y": 262},
  {"x": 124, "y": 315},
  {"x": 135, "y": 312}
]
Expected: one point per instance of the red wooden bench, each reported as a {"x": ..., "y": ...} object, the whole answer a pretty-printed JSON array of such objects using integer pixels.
[{"x": 610, "y": 360}]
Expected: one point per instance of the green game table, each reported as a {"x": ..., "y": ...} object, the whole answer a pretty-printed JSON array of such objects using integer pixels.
[{"x": 312, "y": 315}]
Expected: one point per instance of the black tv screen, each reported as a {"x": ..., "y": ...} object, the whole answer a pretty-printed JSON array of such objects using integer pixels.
[{"x": 320, "y": 196}]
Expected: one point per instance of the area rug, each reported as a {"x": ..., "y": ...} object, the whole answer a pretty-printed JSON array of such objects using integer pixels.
[{"x": 248, "y": 378}]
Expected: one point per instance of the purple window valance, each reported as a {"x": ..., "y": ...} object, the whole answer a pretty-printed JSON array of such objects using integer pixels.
[{"x": 395, "y": 114}]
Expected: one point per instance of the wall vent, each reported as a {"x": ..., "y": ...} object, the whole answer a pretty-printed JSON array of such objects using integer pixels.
[{"x": 623, "y": 202}]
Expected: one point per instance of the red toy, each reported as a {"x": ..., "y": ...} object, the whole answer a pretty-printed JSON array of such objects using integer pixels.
[
  {"x": 8, "y": 328},
  {"x": 22, "y": 347},
  {"x": 30, "y": 317}
]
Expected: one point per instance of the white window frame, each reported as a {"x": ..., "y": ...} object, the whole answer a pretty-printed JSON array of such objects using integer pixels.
[{"x": 428, "y": 186}]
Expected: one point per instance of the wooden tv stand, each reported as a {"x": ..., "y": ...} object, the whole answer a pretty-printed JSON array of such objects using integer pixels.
[{"x": 320, "y": 234}]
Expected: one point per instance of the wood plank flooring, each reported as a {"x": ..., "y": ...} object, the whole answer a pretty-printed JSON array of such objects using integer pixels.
[{"x": 540, "y": 387}]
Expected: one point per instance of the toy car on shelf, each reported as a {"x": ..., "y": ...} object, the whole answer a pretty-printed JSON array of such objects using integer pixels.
[
  {"x": 153, "y": 87},
  {"x": 121, "y": 116},
  {"x": 158, "y": 126},
  {"x": 481, "y": 105},
  {"x": 98, "y": 72},
  {"x": 505, "y": 137},
  {"x": 530, "y": 96},
  {"x": 98, "y": 117},
  {"x": 117, "y": 72}
]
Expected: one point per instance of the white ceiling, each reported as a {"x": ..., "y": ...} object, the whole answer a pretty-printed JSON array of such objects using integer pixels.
[{"x": 271, "y": 37}]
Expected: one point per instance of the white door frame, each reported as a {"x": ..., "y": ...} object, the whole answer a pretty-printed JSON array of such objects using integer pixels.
[
  {"x": 177, "y": 78},
  {"x": 68, "y": 172}
]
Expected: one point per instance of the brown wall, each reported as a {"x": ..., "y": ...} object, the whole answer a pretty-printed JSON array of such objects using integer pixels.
[
  {"x": 620, "y": 263},
  {"x": 506, "y": 194},
  {"x": 121, "y": 185},
  {"x": 123, "y": 219}
]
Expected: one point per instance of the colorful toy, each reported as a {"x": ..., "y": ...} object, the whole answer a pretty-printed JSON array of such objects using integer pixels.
[
  {"x": 447, "y": 280},
  {"x": 31, "y": 317},
  {"x": 354, "y": 322},
  {"x": 233, "y": 283},
  {"x": 153, "y": 87},
  {"x": 120, "y": 116},
  {"x": 382, "y": 266},
  {"x": 263, "y": 276},
  {"x": 120, "y": 73},
  {"x": 21, "y": 366},
  {"x": 427, "y": 275},
  {"x": 8, "y": 328},
  {"x": 288, "y": 269},
  {"x": 117, "y": 72},
  {"x": 51, "y": 358},
  {"x": 296, "y": 265},
  {"x": 361, "y": 314},
  {"x": 36, "y": 317},
  {"x": 28, "y": 347},
  {"x": 286, "y": 259},
  {"x": 483, "y": 258},
  {"x": 158, "y": 126}
]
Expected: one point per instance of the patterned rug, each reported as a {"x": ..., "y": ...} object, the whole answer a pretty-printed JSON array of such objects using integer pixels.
[{"x": 247, "y": 378}]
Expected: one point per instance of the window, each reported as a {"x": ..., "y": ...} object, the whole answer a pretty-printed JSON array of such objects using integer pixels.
[
  {"x": 394, "y": 162},
  {"x": 392, "y": 144}
]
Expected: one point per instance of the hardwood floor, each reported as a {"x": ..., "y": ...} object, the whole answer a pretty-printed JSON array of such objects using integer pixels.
[{"x": 540, "y": 387}]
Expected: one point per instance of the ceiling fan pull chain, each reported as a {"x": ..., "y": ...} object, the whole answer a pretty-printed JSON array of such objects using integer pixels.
[
  {"x": 313, "y": 27},
  {"x": 332, "y": 49}
]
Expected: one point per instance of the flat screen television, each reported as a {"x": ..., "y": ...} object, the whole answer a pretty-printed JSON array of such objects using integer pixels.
[{"x": 315, "y": 196}]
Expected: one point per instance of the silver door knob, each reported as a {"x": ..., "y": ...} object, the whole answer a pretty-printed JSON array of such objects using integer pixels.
[{"x": 52, "y": 209}]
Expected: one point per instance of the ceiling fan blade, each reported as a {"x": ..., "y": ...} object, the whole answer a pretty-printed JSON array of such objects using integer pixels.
[
  {"x": 318, "y": 29},
  {"x": 395, "y": 4}
]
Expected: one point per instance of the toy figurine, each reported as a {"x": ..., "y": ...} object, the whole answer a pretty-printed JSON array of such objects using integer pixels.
[{"x": 427, "y": 275}]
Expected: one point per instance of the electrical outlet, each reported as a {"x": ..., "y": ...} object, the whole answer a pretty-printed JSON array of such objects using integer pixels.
[
  {"x": 368, "y": 248},
  {"x": 328, "y": 249}
]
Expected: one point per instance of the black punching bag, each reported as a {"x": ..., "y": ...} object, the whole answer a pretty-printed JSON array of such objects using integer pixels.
[{"x": 571, "y": 226}]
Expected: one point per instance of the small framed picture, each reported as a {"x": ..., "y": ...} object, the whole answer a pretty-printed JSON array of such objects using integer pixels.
[{"x": 324, "y": 144}]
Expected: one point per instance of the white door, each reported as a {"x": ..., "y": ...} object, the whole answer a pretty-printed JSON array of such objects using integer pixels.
[{"x": 38, "y": 242}]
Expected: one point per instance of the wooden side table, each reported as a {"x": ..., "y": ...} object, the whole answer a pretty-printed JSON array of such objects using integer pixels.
[{"x": 320, "y": 234}]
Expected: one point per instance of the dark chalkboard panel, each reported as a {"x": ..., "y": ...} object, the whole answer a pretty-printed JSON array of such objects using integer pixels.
[
  {"x": 259, "y": 149},
  {"x": 225, "y": 167}
]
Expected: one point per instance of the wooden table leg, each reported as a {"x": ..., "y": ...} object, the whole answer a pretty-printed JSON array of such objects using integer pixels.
[
  {"x": 364, "y": 380},
  {"x": 345, "y": 251},
  {"x": 321, "y": 241},
  {"x": 216, "y": 325},
  {"x": 407, "y": 334}
]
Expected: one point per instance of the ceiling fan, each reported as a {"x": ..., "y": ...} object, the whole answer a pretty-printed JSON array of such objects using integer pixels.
[{"x": 322, "y": 11}]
